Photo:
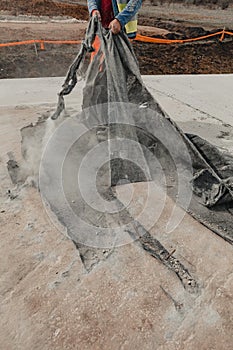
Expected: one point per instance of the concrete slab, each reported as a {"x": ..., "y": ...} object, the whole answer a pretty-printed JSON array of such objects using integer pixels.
[
  {"x": 34, "y": 91},
  {"x": 200, "y": 104},
  {"x": 208, "y": 94}
]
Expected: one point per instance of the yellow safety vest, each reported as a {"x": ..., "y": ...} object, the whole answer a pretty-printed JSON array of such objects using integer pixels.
[{"x": 131, "y": 26}]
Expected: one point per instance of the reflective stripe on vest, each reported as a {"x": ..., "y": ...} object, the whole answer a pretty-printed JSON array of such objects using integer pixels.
[{"x": 131, "y": 26}]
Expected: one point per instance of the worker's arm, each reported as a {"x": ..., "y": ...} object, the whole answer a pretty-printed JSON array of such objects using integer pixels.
[
  {"x": 124, "y": 16},
  {"x": 92, "y": 5},
  {"x": 128, "y": 12},
  {"x": 93, "y": 8}
]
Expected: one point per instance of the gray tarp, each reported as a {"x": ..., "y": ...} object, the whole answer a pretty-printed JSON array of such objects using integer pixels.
[{"x": 113, "y": 77}]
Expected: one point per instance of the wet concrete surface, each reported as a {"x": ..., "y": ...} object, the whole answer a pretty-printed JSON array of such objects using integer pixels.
[{"x": 123, "y": 297}]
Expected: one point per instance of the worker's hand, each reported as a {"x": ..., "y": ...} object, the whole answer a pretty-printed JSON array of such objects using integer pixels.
[
  {"x": 96, "y": 13},
  {"x": 115, "y": 26}
]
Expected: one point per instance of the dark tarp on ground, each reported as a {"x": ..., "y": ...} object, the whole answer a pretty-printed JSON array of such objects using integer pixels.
[{"x": 113, "y": 76}]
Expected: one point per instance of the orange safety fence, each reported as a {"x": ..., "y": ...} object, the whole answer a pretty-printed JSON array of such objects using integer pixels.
[
  {"x": 41, "y": 42},
  {"x": 148, "y": 39},
  {"x": 139, "y": 37}
]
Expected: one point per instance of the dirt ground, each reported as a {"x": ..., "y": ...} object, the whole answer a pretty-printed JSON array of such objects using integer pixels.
[
  {"x": 44, "y": 8},
  {"x": 178, "y": 21}
]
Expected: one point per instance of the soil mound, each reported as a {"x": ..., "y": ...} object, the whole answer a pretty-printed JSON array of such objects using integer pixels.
[{"x": 45, "y": 8}]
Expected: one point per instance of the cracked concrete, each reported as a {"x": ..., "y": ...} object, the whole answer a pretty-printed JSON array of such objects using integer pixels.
[{"x": 198, "y": 104}]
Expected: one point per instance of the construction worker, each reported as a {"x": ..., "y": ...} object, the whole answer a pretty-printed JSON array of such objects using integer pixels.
[{"x": 116, "y": 15}]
